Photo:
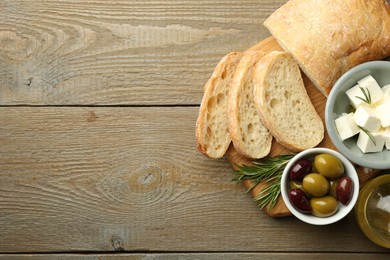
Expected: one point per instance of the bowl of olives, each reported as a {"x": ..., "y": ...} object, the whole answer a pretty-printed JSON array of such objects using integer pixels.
[{"x": 319, "y": 186}]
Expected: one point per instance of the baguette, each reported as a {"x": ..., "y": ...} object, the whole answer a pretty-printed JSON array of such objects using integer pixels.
[
  {"x": 283, "y": 103},
  {"x": 250, "y": 137},
  {"x": 212, "y": 134},
  {"x": 328, "y": 37}
]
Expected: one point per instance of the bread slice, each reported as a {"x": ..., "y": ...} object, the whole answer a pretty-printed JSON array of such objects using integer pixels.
[
  {"x": 250, "y": 137},
  {"x": 212, "y": 134},
  {"x": 327, "y": 38},
  {"x": 283, "y": 103}
]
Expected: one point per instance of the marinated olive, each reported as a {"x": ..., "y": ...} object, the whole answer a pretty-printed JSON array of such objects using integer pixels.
[
  {"x": 315, "y": 184},
  {"x": 318, "y": 184},
  {"x": 300, "y": 169},
  {"x": 328, "y": 165},
  {"x": 333, "y": 187},
  {"x": 299, "y": 200},
  {"x": 344, "y": 190},
  {"x": 324, "y": 206},
  {"x": 296, "y": 184}
]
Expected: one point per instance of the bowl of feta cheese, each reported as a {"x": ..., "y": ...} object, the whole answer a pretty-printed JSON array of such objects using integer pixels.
[{"x": 357, "y": 114}]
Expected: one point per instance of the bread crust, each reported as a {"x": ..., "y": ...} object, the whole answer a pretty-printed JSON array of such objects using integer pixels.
[
  {"x": 262, "y": 78},
  {"x": 328, "y": 37},
  {"x": 243, "y": 76},
  {"x": 218, "y": 84}
]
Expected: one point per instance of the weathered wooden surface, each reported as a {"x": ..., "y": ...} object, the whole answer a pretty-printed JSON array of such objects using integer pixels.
[
  {"x": 210, "y": 256},
  {"x": 98, "y": 102},
  {"x": 120, "y": 52},
  {"x": 131, "y": 179}
]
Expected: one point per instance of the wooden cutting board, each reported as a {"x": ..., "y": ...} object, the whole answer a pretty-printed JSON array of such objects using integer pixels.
[{"x": 318, "y": 100}]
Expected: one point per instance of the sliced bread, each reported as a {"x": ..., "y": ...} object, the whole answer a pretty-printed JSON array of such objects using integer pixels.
[
  {"x": 283, "y": 103},
  {"x": 250, "y": 137},
  {"x": 212, "y": 134},
  {"x": 327, "y": 38}
]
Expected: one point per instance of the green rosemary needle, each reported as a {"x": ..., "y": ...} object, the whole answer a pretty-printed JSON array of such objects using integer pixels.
[
  {"x": 372, "y": 138},
  {"x": 367, "y": 95},
  {"x": 269, "y": 170}
]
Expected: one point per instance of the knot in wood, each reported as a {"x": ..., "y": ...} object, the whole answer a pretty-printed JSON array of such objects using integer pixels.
[
  {"x": 147, "y": 179},
  {"x": 16, "y": 45},
  {"x": 91, "y": 117},
  {"x": 117, "y": 243}
]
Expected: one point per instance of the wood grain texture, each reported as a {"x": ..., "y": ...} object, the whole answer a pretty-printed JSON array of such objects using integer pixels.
[
  {"x": 88, "y": 180},
  {"x": 120, "y": 52},
  {"x": 209, "y": 256},
  {"x": 102, "y": 179}
]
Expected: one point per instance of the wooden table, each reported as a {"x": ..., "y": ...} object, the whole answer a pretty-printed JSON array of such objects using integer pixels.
[{"x": 97, "y": 145}]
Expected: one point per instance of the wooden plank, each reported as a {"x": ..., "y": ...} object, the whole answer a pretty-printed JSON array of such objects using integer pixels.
[
  {"x": 130, "y": 178},
  {"x": 120, "y": 52},
  {"x": 209, "y": 256}
]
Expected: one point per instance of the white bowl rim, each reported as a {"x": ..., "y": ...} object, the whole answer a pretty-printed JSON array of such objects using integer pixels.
[
  {"x": 330, "y": 124},
  {"x": 343, "y": 210}
]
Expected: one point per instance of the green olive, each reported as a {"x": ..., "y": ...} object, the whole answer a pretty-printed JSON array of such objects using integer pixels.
[
  {"x": 296, "y": 184},
  {"x": 315, "y": 184},
  {"x": 324, "y": 206},
  {"x": 333, "y": 186},
  {"x": 328, "y": 165}
]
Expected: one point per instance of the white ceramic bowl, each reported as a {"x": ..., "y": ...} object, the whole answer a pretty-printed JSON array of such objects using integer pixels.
[
  {"x": 338, "y": 103},
  {"x": 343, "y": 210}
]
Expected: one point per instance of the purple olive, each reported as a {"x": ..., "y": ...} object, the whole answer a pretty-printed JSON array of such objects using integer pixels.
[
  {"x": 300, "y": 169},
  {"x": 300, "y": 201},
  {"x": 344, "y": 190}
]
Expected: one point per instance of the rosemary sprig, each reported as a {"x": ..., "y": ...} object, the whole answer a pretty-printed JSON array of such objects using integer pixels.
[
  {"x": 367, "y": 95},
  {"x": 372, "y": 138},
  {"x": 269, "y": 170}
]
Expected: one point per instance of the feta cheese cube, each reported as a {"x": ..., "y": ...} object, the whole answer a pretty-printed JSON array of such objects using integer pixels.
[
  {"x": 383, "y": 112},
  {"x": 371, "y": 118},
  {"x": 386, "y": 136},
  {"x": 385, "y": 99},
  {"x": 366, "y": 145},
  {"x": 386, "y": 95},
  {"x": 346, "y": 126},
  {"x": 372, "y": 86},
  {"x": 367, "y": 118},
  {"x": 353, "y": 94},
  {"x": 386, "y": 90}
]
